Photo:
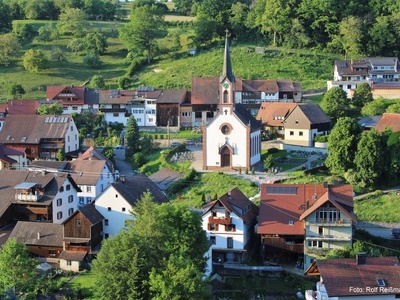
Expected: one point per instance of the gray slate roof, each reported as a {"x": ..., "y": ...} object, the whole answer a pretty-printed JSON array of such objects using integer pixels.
[{"x": 38, "y": 233}]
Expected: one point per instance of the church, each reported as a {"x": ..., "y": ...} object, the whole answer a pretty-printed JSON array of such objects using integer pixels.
[{"x": 232, "y": 140}]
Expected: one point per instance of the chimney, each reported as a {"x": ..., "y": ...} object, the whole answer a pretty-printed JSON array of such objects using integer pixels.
[
  {"x": 38, "y": 235},
  {"x": 326, "y": 186},
  {"x": 122, "y": 178},
  {"x": 361, "y": 258}
]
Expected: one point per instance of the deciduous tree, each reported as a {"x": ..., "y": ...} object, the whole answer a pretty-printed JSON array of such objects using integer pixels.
[
  {"x": 97, "y": 81},
  {"x": 9, "y": 48},
  {"x": 58, "y": 54},
  {"x": 362, "y": 95},
  {"x": 72, "y": 21},
  {"x": 140, "y": 34},
  {"x": 342, "y": 145},
  {"x": 34, "y": 61},
  {"x": 50, "y": 109},
  {"x": 95, "y": 42},
  {"x": 334, "y": 103},
  {"x": 17, "y": 268},
  {"x": 374, "y": 108},
  {"x": 350, "y": 37},
  {"x": 15, "y": 89}
]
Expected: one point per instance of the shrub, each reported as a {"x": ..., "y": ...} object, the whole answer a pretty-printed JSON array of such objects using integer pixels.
[
  {"x": 321, "y": 138},
  {"x": 138, "y": 159},
  {"x": 92, "y": 60},
  {"x": 273, "y": 150}
]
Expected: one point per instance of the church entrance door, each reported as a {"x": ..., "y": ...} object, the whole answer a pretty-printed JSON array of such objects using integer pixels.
[{"x": 226, "y": 160}]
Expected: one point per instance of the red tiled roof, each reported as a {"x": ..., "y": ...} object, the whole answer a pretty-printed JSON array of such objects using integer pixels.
[
  {"x": 116, "y": 96},
  {"x": 73, "y": 255},
  {"x": 389, "y": 120},
  {"x": 269, "y": 111},
  {"x": 22, "y": 107},
  {"x": 280, "y": 207},
  {"x": 52, "y": 91},
  {"x": 342, "y": 274},
  {"x": 205, "y": 90}
]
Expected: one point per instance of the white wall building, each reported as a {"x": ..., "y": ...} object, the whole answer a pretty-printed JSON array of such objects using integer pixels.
[{"x": 65, "y": 202}]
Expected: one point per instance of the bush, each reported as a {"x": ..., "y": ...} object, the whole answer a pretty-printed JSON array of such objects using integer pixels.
[
  {"x": 139, "y": 159},
  {"x": 273, "y": 150},
  {"x": 92, "y": 60},
  {"x": 321, "y": 138}
]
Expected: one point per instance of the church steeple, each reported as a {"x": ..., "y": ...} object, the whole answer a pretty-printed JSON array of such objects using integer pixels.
[{"x": 227, "y": 67}]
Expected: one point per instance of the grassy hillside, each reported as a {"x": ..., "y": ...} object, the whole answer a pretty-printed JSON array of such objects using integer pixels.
[{"x": 310, "y": 68}]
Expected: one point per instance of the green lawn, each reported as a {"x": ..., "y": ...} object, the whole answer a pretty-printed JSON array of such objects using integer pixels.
[
  {"x": 378, "y": 208},
  {"x": 85, "y": 282}
]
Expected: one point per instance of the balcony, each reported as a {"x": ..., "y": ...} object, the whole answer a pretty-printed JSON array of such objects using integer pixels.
[
  {"x": 112, "y": 110},
  {"x": 328, "y": 238},
  {"x": 220, "y": 220},
  {"x": 281, "y": 243},
  {"x": 28, "y": 197},
  {"x": 322, "y": 222}
]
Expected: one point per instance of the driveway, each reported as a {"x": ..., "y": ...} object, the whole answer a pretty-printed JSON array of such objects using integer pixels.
[{"x": 124, "y": 168}]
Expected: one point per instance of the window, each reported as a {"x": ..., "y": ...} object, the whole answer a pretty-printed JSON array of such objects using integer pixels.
[
  {"x": 59, "y": 215},
  {"x": 151, "y": 120},
  {"x": 319, "y": 244},
  {"x": 70, "y": 211},
  {"x": 70, "y": 198},
  {"x": 81, "y": 200},
  {"x": 106, "y": 235},
  {"x": 76, "y": 137},
  {"x": 59, "y": 202},
  {"x": 105, "y": 222},
  {"x": 213, "y": 240},
  {"x": 123, "y": 209},
  {"x": 74, "y": 108},
  {"x": 212, "y": 227},
  {"x": 116, "y": 195},
  {"x": 138, "y": 120},
  {"x": 230, "y": 227},
  {"x": 69, "y": 139},
  {"x": 61, "y": 189},
  {"x": 296, "y": 122},
  {"x": 226, "y": 129},
  {"x": 225, "y": 97},
  {"x": 108, "y": 208},
  {"x": 320, "y": 230},
  {"x": 88, "y": 200},
  {"x": 300, "y": 133},
  {"x": 291, "y": 133},
  {"x": 115, "y": 114},
  {"x": 69, "y": 263},
  {"x": 229, "y": 242},
  {"x": 78, "y": 222},
  {"x": 88, "y": 189}
]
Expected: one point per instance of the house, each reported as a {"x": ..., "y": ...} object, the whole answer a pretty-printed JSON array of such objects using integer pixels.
[
  {"x": 165, "y": 178},
  {"x": 229, "y": 223},
  {"x": 118, "y": 199},
  {"x": 114, "y": 105},
  {"x": 92, "y": 177},
  {"x": 23, "y": 107},
  {"x": 388, "y": 120},
  {"x": 328, "y": 222},
  {"x": 355, "y": 278},
  {"x": 41, "y": 135},
  {"x": 304, "y": 123},
  {"x": 12, "y": 158},
  {"x": 74, "y": 98},
  {"x": 369, "y": 122},
  {"x": 143, "y": 106},
  {"x": 303, "y": 221},
  {"x": 93, "y": 154},
  {"x": 233, "y": 138},
  {"x": 42, "y": 239},
  {"x": 169, "y": 108},
  {"x": 381, "y": 73},
  {"x": 82, "y": 237},
  {"x": 272, "y": 116}
]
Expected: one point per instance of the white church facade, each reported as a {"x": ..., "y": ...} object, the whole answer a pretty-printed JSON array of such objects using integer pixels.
[{"x": 232, "y": 140}]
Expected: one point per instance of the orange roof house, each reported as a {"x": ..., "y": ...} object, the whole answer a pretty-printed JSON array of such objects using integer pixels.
[{"x": 389, "y": 120}]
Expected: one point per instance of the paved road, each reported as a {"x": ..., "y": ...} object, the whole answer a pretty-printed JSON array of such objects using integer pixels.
[{"x": 124, "y": 168}]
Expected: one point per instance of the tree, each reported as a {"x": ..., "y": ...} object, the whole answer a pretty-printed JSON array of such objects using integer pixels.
[
  {"x": 123, "y": 82},
  {"x": 138, "y": 263},
  {"x": 60, "y": 154},
  {"x": 17, "y": 268},
  {"x": 47, "y": 32},
  {"x": 269, "y": 161},
  {"x": 97, "y": 81},
  {"x": 205, "y": 29},
  {"x": 362, "y": 95},
  {"x": 171, "y": 282},
  {"x": 40, "y": 10},
  {"x": 342, "y": 145},
  {"x": 76, "y": 45},
  {"x": 58, "y": 54},
  {"x": 350, "y": 36},
  {"x": 95, "y": 42},
  {"x": 369, "y": 162},
  {"x": 92, "y": 60},
  {"x": 34, "y": 61},
  {"x": 72, "y": 21},
  {"x": 275, "y": 18},
  {"x": 22, "y": 31},
  {"x": 6, "y": 19},
  {"x": 334, "y": 103},
  {"x": 132, "y": 136},
  {"x": 238, "y": 15},
  {"x": 374, "y": 108},
  {"x": 140, "y": 34},
  {"x": 15, "y": 89},
  {"x": 9, "y": 48},
  {"x": 394, "y": 108},
  {"x": 52, "y": 109}
]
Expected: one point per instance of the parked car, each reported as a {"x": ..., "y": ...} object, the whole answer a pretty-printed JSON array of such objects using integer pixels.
[
  {"x": 396, "y": 233},
  {"x": 175, "y": 144}
]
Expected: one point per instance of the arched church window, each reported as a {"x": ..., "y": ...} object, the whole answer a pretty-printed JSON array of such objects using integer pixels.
[{"x": 225, "y": 97}]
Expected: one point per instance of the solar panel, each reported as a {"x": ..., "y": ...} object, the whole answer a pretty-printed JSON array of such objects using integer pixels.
[{"x": 282, "y": 190}]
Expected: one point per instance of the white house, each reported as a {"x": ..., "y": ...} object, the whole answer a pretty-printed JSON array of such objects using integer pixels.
[
  {"x": 229, "y": 223},
  {"x": 370, "y": 278},
  {"x": 118, "y": 199},
  {"x": 13, "y": 158},
  {"x": 92, "y": 176},
  {"x": 144, "y": 107},
  {"x": 114, "y": 105},
  {"x": 233, "y": 138}
]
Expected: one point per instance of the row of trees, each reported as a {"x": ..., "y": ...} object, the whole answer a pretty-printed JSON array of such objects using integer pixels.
[
  {"x": 51, "y": 9},
  {"x": 365, "y": 158},
  {"x": 154, "y": 261},
  {"x": 350, "y": 27}
]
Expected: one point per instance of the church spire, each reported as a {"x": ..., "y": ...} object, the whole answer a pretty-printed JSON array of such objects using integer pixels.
[{"x": 227, "y": 67}]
